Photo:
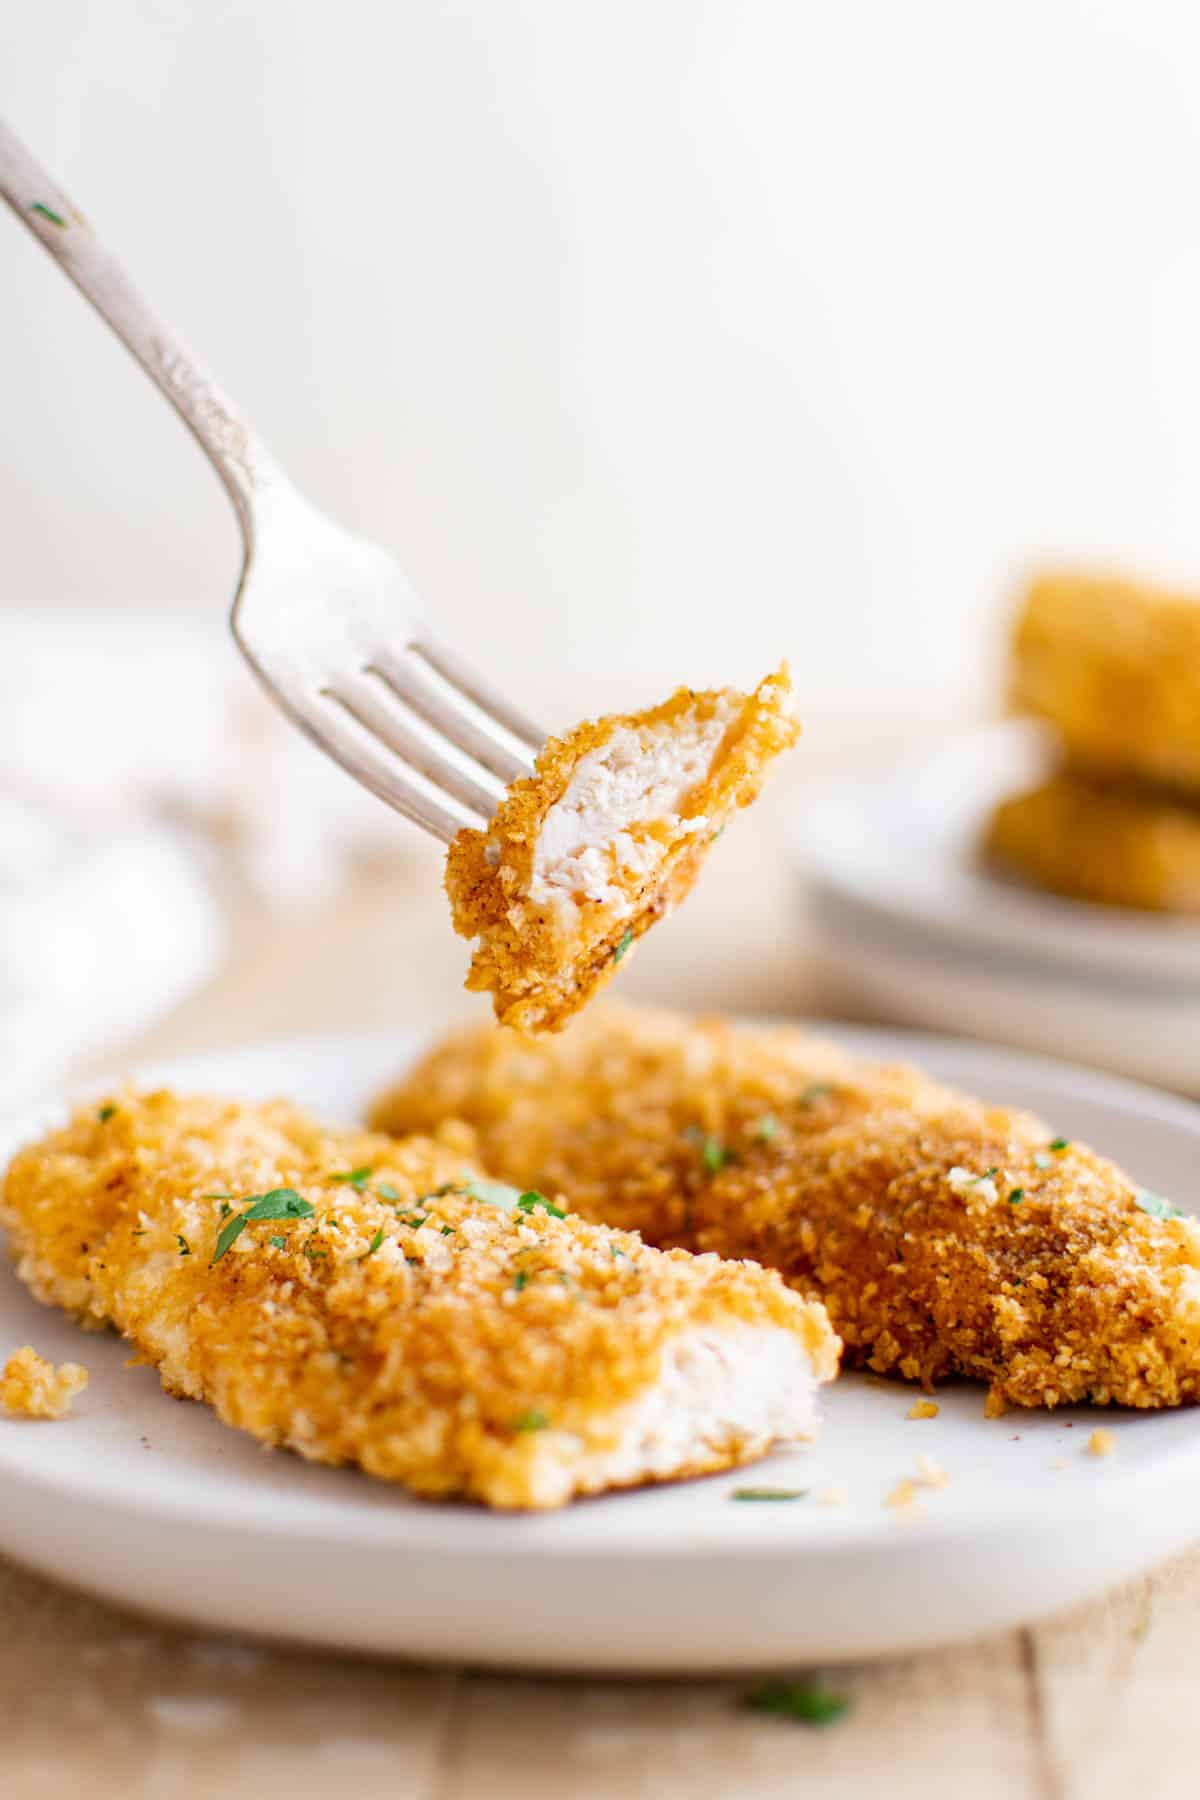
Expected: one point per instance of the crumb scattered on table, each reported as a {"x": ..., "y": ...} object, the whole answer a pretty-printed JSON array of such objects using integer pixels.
[
  {"x": 1101, "y": 1443},
  {"x": 33, "y": 1388},
  {"x": 924, "y": 1409}
]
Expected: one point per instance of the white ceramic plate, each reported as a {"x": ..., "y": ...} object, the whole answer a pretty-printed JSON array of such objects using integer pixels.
[
  {"x": 895, "y": 851},
  {"x": 155, "y": 1504}
]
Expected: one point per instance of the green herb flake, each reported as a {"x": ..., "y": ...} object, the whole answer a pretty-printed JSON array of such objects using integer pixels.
[
  {"x": 622, "y": 946},
  {"x": 280, "y": 1203},
  {"x": 47, "y": 212},
  {"x": 988, "y": 1173},
  {"x": 386, "y": 1191},
  {"x": 532, "y": 1201},
  {"x": 766, "y": 1129},
  {"x": 1060, "y": 1143},
  {"x": 769, "y": 1493},
  {"x": 279, "y": 1243},
  {"x": 493, "y": 1193},
  {"x": 1156, "y": 1206},
  {"x": 713, "y": 1153},
  {"x": 355, "y": 1178},
  {"x": 373, "y": 1246},
  {"x": 617, "y": 1255},
  {"x": 533, "y": 1420},
  {"x": 447, "y": 1231},
  {"x": 808, "y": 1702},
  {"x": 1016, "y": 1197},
  {"x": 520, "y": 1280},
  {"x": 816, "y": 1090},
  {"x": 185, "y": 1249},
  {"x": 216, "y": 1196},
  {"x": 105, "y": 1114},
  {"x": 414, "y": 1221}
]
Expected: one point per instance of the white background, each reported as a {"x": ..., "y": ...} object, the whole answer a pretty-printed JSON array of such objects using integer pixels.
[{"x": 657, "y": 338}]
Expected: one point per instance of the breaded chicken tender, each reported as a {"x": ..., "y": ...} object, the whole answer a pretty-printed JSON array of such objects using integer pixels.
[
  {"x": 1101, "y": 841},
  {"x": 1115, "y": 666},
  {"x": 362, "y": 1300},
  {"x": 603, "y": 840},
  {"x": 946, "y": 1237}
]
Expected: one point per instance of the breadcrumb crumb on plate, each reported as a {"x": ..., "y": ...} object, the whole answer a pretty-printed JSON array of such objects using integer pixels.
[
  {"x": 32, "y": 1388},
  {"x": 603, "y": 840},
  {"x": 188, "y": 1518}
]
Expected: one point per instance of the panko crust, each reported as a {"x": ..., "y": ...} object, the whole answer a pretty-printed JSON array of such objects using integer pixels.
[
  {"x": 1109, "y": 843},
  {"x": 450, "y": 1345},
  {"x": 946, "y": 1237},
  {"x": 1114, "y": 665},
  {"x": 33, "y": 1388},
  {"x": 537, "y": 975}
]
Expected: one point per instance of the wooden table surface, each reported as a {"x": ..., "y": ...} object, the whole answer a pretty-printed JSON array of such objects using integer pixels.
[{"x": 94, "y": 1702}]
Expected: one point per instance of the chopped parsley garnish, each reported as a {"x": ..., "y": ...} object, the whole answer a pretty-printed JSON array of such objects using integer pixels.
[
  {"x": 533, "y": 1420},
  {"x": 769, "y": 1493},
  {"x": 226, "y": 1209},
  {"x": 373, "y": 1246},
  {"x": 766, "y": 1128},
  {"x": 105, "y": 1114},
  {"x": 531, "y": 1202},
  {"x": 713, "y": 1153},
  {"x": 615, "y": 1253},
  {"x": 185, "y": 1249},
  {"x": 46, "y": 212},
  {"x": 816, "y": 1090},
  {"x": 1060, "y": 1143},
  {"x": 413, "y": 1220},
  {"x": 521, "y": 1280},
  {"x": 279, "y": 1243},
  {"x": 280, "y": 1203},
  {"x": 622, "y": 946},
  {"x": 806, "y": 1701},
  {"x": 447, "y": 1231},
  {"x": 988, "y": 1173},
  {"x": 1156, "y": 1206},
  {"x": 1016, "y": 1197},
  {"x": 386, "y": 1191},
  {"x": 355, "y": 1178}
]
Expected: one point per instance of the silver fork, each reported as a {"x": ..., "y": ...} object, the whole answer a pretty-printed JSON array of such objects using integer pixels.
[{"x": 326, "y": 620}]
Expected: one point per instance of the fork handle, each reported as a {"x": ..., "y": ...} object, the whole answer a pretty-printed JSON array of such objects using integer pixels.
[{"x": 244, "y": 466}]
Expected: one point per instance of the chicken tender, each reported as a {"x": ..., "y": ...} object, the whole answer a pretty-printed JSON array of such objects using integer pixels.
[
  {"x": 1101, "y": 841},
  {"x": 362, "y": 1300},
  {"x": 603, "y": 840},
  {"x": 1115, "y": 666},
  {"x": 946, "y": 1237}
]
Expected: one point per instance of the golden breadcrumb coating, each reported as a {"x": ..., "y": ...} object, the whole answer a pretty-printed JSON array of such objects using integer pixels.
[
  {"x": 603, "y": 840},
  {"x": 1115, "y": 666},
  {"x": 386, "y": 1314},
  {"x": 945, "y": 1236},
  {"x": 36, "y": 1389},
  {"x": 1090, "y": 839}
]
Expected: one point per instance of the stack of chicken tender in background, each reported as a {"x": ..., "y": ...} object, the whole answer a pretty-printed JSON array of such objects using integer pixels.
[{"x": 1113, "y": 666}]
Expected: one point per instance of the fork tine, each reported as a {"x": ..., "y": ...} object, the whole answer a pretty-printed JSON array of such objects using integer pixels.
[
  {"x": 446, "y": 710},
  {"x": 459, "y": 673},
  {"x": 374, "y": 706},
  {"x": 336, "y": 730}
]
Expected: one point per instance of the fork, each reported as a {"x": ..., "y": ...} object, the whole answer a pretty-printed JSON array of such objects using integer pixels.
[{"x": 326, "y": 620}]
